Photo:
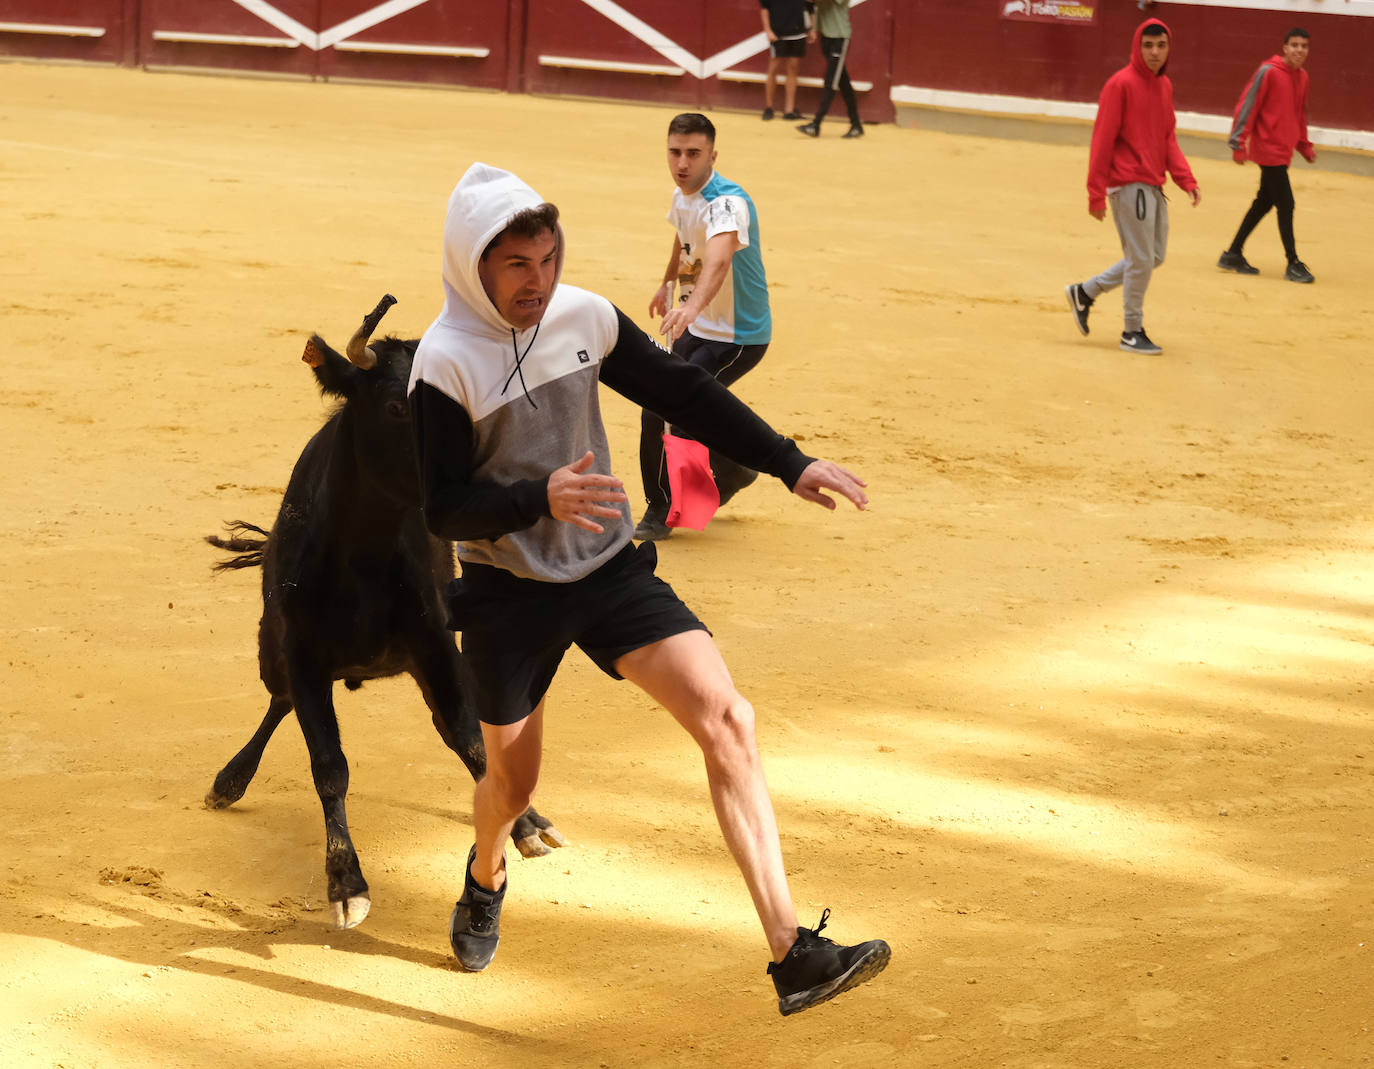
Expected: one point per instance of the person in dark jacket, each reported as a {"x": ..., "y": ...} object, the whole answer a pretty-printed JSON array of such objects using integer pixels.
[
  {"x": 1133, "y": 145},
  {"x": 1270, "y": 122}
]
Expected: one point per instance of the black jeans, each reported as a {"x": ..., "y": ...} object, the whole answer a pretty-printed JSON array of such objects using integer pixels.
[
  {"x": 1275, "y": 192},
  {"x": 727, "y": 362}
]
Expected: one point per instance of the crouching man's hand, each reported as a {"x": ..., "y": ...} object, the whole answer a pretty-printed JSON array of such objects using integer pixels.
[{"x": 823, "y": 475}]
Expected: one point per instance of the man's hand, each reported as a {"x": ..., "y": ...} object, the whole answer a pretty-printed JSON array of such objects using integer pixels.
[
  {"x": 574, "y": 497},
  {"x": 661, "y": 301},
  {"x": 676, "y": 321},
  {"x": 823, "y": 475},
  {"x": 1195, "y": 195},
  {"x": 1098, "y": 213},
  {"x": 715, "y": 265}
]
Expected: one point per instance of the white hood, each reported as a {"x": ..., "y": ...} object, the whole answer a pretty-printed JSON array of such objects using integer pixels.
[{"x": 480, "y": 207}]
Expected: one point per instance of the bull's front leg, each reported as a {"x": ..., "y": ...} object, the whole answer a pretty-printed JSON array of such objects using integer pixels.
[
  {"x": 439, "y": 673},
  {"x": 313, "y": 696}
]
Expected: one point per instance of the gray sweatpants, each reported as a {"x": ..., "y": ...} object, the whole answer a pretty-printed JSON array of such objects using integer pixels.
[{"x": 1141, "y": 215}]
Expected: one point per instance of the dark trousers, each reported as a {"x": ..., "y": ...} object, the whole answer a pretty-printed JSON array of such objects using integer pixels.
[
  {"x": 1275, "y": 192},
  {"x": 836, "y": 51},
  {"x": 727, "y": 362}
]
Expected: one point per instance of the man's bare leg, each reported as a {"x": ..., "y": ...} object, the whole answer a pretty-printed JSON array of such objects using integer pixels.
[
  {"x": 789, "y": 89},
  {"x": 514, "y": 752},
  {"x": 687, "y": 676}
]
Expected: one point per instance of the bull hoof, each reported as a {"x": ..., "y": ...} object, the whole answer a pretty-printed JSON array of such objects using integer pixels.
[
  {"x": 531, "y": 846},
  {"x": 552, "y": 836},
  {"x": 215, "y": 800},
  {"x": 351, "y": 912},
  {"x": 539, "y": 843}
]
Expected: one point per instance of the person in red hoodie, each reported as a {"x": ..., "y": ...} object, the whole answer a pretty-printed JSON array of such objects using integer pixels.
[
  {"x": 1133, "y": 145},
  {"x": 1271, "y": 121}
]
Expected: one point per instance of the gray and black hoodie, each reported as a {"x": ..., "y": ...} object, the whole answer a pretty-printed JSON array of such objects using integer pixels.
[{"x": 496, "y": 410}]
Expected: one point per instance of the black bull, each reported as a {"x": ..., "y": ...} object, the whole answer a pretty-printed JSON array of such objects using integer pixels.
[{"x": 353, "y": 589}]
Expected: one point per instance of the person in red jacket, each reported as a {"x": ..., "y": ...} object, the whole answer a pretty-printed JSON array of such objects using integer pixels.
[
  {"x": 1271, "y": 121},
  {"x": 1133, "y": 145}
]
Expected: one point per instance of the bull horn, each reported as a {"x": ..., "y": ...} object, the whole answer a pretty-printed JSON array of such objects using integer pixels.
[{"x": 359, "y": 352}]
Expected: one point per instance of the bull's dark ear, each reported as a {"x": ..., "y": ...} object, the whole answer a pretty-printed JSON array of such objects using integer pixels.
[{"x": 332, "y": 370}]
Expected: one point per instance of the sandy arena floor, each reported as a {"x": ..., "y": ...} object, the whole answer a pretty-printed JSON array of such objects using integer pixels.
[{"x": 1077, "y": 717}]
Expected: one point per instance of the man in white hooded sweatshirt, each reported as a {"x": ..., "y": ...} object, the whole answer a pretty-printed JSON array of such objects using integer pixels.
[{"x": 515, "y": 469}]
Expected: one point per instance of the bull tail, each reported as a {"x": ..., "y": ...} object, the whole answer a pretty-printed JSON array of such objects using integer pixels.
[{"x": 249, "y": 550}]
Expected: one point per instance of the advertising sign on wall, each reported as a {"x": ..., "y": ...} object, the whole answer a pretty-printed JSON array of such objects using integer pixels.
[{"x": 1083, "y": 12}]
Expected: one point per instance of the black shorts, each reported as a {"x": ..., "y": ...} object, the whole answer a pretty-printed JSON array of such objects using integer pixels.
[
  {"x": 515, "y": 631},
  {"x": 793, "y": 49}
]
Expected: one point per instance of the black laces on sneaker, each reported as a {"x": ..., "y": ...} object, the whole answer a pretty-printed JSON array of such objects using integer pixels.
[
  {"x": 808, "y": 939},
  {"x": 483, "y": 915}
]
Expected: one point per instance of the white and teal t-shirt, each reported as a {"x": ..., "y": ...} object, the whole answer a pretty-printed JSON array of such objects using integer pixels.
[{"x": 739, "y": 311}]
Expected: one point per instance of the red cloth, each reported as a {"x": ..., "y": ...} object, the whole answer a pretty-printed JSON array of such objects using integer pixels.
[
  {"x": 1270, "y": 119},
  {"x": 1133, "y": 135},
  {"x": 690, "y": 482}
]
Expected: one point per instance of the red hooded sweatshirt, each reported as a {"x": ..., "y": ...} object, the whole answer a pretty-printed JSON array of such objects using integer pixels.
[
  {"x": 1133, "y": 135},
  {"x": 1271, "y": 116}
]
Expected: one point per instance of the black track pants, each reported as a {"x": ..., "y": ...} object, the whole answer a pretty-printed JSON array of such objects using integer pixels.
[
  {"x": 727, "y": 362},
  {"x": 1275, "y": 192},
  {"x": 836, "y": 50}
]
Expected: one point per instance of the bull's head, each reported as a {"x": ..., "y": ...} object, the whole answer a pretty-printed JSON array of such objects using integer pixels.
[{"x": 372, "y": 380}]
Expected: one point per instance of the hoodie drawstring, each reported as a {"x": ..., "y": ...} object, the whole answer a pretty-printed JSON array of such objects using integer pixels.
[{"x": 520, "y": 359}]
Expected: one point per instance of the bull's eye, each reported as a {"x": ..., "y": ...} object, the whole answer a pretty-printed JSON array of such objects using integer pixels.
[{"x": 397, "y": 409}]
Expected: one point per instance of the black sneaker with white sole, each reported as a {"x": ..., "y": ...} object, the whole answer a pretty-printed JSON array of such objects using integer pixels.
[
  {"x": 1297, "y": 272},
  {"x": 817, "y": 969},
  {"x": 1079, "y": 305},
  {"x": 1136, "y": 341},
  {"x": 1234, "y": 261},
  {"x": 474, "y": 928}
]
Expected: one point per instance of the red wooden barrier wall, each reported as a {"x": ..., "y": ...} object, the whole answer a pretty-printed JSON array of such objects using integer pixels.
[
  {"x": 100, "y": 31},
  {"x": 697, "y": 55},
  {"x": 965, "y": 45}
]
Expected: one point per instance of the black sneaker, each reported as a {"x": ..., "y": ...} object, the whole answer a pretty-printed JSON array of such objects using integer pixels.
[
  {"x": 474, "y": 929},
  {"x": 810, "y": 129},
  {"x": 854, "y": 131},
  {"x": 816, "y": 969},
  {"x": 1234, "y": 261},
  {"x": 767, "y": 114},
  {"x": 791, "y": 115},
  {"x": 1079, "y": 304},
  {"x": 1135, "y": 341},
  {"x": 1297, "y": 272},
  {"x": 653, "y": 526}
]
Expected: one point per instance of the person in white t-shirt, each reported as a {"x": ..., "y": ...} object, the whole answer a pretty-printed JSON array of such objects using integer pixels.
[{"x": 720, "y": 319}]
